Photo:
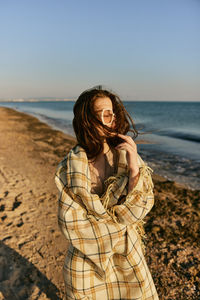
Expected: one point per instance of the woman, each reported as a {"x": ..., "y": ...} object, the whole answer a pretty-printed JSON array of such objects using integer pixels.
[{"x": 105, "y": 192}]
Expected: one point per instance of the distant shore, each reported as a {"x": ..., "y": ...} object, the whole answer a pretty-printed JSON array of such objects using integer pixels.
[
  {"x": 33, "y": 249},
  {"x": 36, "y": 99}
]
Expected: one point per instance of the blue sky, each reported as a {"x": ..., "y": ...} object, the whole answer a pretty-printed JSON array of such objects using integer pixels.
[{"x": 143, "y": 50}]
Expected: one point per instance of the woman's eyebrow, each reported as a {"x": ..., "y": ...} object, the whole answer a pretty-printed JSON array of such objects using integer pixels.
[{"x": 103, "y": 108}]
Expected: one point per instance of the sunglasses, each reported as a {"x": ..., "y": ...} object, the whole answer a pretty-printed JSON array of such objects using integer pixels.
[{"x": 107, "y": 116}]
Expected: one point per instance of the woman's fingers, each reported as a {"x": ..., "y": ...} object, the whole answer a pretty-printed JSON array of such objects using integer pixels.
[
  {"x": 131, "y": 152},
  {"x": 122, "y": 145},
  {"x": 131, "y": 155},
  {"x": 125, "y": 146},
  {"x": 128, "y": 139}
]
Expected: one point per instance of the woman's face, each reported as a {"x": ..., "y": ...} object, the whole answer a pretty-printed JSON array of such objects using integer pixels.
[{"x": 103, "y": 109}]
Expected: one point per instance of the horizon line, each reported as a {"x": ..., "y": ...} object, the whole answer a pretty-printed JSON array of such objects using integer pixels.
[
  {"x": 67, "y": 99},
  {"x": 56, "y": 99}
]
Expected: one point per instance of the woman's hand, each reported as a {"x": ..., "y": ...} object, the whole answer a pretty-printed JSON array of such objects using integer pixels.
[{"x": 131, "y": 155}]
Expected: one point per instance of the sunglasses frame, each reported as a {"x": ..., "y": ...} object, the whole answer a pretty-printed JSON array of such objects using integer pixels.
[{"x": 102, "y": 118}]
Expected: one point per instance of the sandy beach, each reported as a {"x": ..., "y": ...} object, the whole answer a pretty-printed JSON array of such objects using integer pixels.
[{"x": 32, "y": 247}]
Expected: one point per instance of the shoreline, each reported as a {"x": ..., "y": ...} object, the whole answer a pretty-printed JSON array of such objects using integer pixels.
[
  {"x": 172, "y": 166},
  {"x": 33, "y": 248},
  {"x": 156, "y": 176}
]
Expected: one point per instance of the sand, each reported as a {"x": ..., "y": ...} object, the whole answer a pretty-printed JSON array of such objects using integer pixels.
[{"x": 32, "y": 247}]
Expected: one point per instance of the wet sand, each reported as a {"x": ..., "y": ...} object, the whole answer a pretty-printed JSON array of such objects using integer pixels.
[{"x": 32, "y": 247}]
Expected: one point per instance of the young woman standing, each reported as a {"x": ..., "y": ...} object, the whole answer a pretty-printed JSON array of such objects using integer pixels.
[{"x": 105, "y": 191}]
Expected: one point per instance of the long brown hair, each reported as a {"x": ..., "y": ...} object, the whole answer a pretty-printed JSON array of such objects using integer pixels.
[{"x": 85, "y": 121}]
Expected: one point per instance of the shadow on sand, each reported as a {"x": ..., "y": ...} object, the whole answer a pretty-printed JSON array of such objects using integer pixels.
[{"x": 20, "y": 279}]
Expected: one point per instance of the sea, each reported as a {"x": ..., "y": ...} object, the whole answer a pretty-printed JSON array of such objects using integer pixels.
[{"x": 171, "y": 131}]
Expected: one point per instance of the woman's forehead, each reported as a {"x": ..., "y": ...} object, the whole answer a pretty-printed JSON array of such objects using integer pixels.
[{"x": 102, "y": 102}]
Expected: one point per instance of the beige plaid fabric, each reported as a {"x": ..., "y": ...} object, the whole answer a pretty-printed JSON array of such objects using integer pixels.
[{"x": 104, "y": 260}]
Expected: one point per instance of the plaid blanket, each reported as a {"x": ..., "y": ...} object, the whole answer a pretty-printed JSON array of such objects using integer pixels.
[{"x": 105, "y": 259}]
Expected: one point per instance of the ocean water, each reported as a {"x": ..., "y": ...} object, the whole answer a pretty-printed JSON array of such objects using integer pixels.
[{"x": 172, "y": 128}]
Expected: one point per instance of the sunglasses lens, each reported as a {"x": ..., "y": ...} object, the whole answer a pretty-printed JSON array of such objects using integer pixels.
[{"x": 107, "y": 116}]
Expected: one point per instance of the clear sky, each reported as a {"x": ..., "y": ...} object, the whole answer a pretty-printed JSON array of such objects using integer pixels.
[{"x": 141, "y": 49}]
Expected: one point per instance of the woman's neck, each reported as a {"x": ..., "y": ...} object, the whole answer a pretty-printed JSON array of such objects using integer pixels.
[{"x": 106, "y": 147}]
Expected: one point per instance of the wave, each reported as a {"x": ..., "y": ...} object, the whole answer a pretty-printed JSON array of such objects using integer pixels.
[
  {"x": 192, "y": 137},
  {"x": 147, "y": 128}
]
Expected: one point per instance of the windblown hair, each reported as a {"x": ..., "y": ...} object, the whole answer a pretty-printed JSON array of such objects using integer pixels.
[{"x": 86, "y": 123}]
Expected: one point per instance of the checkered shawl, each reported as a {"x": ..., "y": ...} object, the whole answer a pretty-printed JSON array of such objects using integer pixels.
[{"x": 105, "y": 259}]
